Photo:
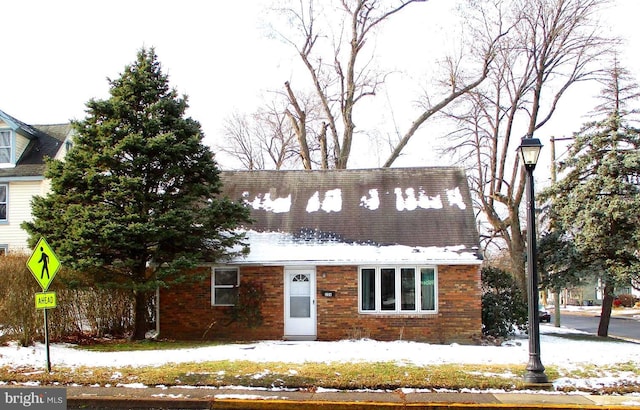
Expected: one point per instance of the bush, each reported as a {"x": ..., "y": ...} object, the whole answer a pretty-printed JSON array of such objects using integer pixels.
[
  {"x": 626, "y": 300},
  {"x": 248, "y": 309},
  {"x": 19, "y": 319},
  {"x": 83, "y": 310},
  {"x": 91, "y": 312},
  {"x": 503, "y": 306}
]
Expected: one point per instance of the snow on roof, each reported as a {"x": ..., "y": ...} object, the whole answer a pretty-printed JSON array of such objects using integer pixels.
[
  {"x": 331, "y": 201},
  {"x": 274, "y": 248},
  {"x": 264, "y": 201},
  {"x": 410, "y": 200},
  {"x": 426, "y": 208},
  {"x": 455, "y": 198},
  {"x": 371, "y": 201}
]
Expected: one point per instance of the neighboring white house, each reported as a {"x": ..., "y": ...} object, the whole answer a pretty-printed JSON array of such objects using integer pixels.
[{"x": 23, "y": 150}]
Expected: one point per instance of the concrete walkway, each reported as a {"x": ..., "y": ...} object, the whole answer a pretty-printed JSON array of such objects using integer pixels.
[{"x": 232, "y": 398}]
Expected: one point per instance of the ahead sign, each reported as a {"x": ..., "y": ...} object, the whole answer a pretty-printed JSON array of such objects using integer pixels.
[
  {"x": 43, "y": 264},
  {"x": 46, "y": 300}
]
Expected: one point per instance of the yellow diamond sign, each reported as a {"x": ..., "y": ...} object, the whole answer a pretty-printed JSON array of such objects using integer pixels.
[{"x": 43, "y": 263}]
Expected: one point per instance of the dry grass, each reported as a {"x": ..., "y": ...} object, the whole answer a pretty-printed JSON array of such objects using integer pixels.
[{"x": 343, "y": 376}]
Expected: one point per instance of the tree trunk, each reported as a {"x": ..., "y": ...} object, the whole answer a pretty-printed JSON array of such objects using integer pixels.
[
  {"x": 517, "y": 251},
  {"x": 324, "y": 152},
  {"x": 605, "y": 315},
  {"x": 519, "y": 262},
  {"x": 556, "y": 305},
  {"x": 139, "y": 316},
  {"x": 299, "y": 126}
]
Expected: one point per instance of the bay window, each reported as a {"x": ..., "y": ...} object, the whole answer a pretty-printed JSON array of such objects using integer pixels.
[{"x": 399, "y": 289}]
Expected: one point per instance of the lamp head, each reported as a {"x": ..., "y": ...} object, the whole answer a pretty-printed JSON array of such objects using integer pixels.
[{"x": 529, "y": 150}]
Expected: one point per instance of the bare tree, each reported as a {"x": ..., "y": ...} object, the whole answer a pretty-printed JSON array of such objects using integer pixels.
[
  {"x": 264, "y": 139},
  {"x": 331, "y": 44},
  {"x": 239, "y": 142},
  {"x": 310, "y": 130},
  {"x": 552, "y": 46},
  {"x": 456, "y": 84}
]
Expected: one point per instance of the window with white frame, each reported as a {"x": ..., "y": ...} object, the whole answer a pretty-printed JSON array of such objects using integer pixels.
[
  {"x": 224, "y": 286},
  {"x": 5, "y": 146},
  {"x": 398, "y": 289},
  {"x": 4, "y": 249},
  {"x": 4, "y": 201}
]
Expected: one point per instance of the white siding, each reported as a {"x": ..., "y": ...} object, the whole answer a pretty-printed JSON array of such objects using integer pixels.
[
  {"x": 19, "y": 210},
  {"x": 68, "y": 142},
  {"x": 21, "y": 145}
]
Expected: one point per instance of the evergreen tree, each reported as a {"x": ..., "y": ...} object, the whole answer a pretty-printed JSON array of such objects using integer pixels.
[
  {"x": 598, "y": 200},
  {"x": 559, "y": 263},
  {"x": 136, "y": 202},
  {"x": 503, "y": 307}
]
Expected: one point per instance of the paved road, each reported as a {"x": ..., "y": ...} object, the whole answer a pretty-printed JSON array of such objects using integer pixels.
[{"x": 626, "y": 327}]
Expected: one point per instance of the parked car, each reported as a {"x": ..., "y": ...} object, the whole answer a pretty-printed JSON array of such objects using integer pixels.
[{"x": 545, "y": 316}]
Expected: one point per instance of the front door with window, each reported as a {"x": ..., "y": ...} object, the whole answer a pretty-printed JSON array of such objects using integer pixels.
[{"x": 300, "y": 304}]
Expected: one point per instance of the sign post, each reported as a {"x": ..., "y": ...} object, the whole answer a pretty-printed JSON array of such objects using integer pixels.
[{"x": 44, "y": 264}]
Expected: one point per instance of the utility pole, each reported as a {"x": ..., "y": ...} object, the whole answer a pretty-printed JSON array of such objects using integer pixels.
[
  {"x": 554, "y": 173},
  {"x": 556, "y": 291}
]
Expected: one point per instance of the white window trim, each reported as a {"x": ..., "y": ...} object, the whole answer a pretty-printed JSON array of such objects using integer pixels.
[
  {"x": 4, "y": 249},
  {"x": 214, "y": 286},
  {"x": 5, "y": 220},
  {"x": 11, "y": 146},
  {"x": 398, "y": 310}
]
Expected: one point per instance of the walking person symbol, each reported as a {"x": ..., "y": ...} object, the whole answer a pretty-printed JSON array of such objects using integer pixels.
[{"x": 44, "y": 260}]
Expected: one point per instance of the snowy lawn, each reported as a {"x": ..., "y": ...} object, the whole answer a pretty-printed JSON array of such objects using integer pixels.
[{"x": 575, "y": 361}]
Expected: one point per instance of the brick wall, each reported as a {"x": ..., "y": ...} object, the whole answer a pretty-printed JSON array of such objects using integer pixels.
[
  {"x": 459, "y": 316},
  {"x": 186, "y": 311}
]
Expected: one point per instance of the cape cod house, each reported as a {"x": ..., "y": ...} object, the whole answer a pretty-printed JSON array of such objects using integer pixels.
[
  {"x": 381, "y": 253},
  {"x": 23, "y": 149}
]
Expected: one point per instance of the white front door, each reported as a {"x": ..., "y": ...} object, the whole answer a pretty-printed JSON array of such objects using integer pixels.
[{"x": 300, "y": 304}]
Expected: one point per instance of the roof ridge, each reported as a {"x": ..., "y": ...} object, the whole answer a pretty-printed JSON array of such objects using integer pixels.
[
  {"x": 454, "y": 167},
  {"x": 51, "y": 124}
]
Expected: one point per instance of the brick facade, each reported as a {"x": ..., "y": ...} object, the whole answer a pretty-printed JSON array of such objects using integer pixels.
[
  {"x": 459, "y": 316},
  {"x": 186, "y": 311}
]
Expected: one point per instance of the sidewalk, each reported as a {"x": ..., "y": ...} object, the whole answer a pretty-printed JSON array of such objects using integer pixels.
[
  {"x": 239, "y": 398},
  {"x": 628, "y": 313}
]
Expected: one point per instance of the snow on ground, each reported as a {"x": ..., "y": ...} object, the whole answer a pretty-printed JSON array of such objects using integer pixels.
[
  {"x": 559, "y": 351},
  {"x": 563, "y": 352}
]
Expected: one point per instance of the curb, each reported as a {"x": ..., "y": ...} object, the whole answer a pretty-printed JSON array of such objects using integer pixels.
[
  {"x": 232, "y": 399},
  {"x": 250, "y": 404}
]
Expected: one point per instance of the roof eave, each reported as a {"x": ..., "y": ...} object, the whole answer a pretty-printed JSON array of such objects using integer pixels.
[
  {"x": 26, "y": 130},
  {"x": 22, "y": 178},
  {"x": 364, "y": 262}
]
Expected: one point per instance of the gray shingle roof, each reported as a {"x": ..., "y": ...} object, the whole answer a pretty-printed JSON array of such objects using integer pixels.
[
  {"x": 426, "y": 207},
  {"x": 45, "y": 141}
]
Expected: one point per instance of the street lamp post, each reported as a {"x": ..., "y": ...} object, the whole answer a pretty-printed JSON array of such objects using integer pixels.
[{"x": 529, "y": 151}]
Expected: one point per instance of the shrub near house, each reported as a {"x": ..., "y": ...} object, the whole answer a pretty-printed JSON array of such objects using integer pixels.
[{"x": 381, "y": 253}]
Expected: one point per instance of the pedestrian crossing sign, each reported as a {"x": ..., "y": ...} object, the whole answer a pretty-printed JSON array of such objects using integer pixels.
[{"x": 43, "y": 264}]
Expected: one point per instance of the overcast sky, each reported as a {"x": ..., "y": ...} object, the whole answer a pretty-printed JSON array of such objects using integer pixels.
[{"x": 58, "y": 54}]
